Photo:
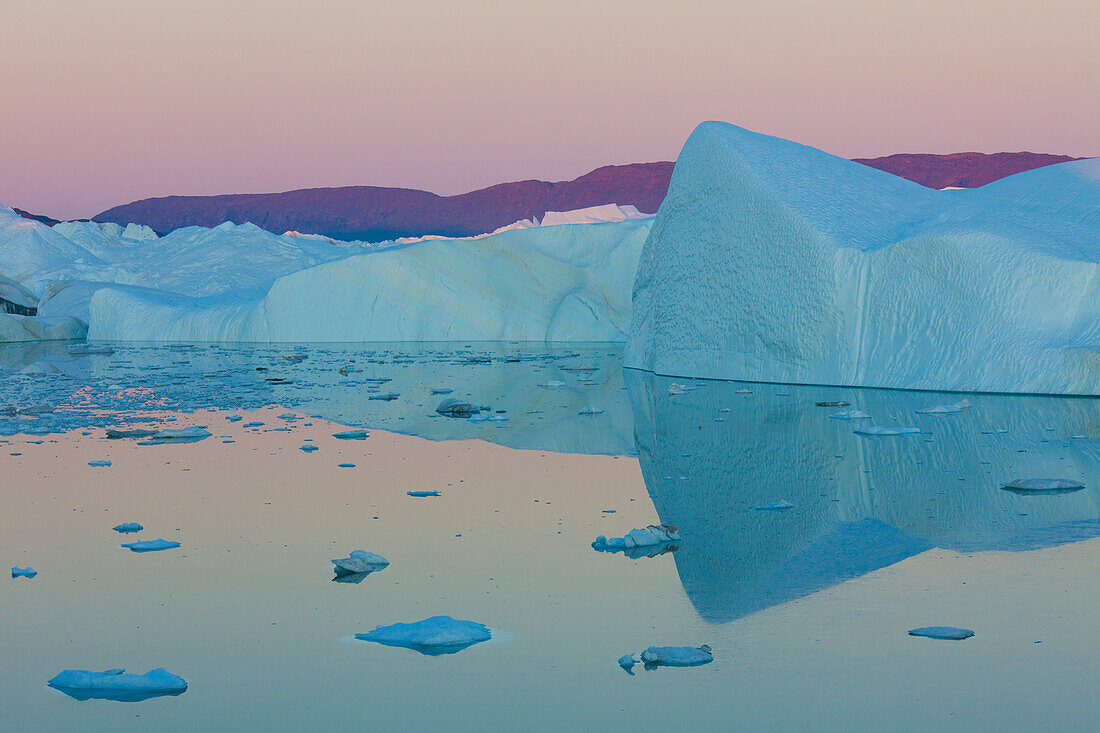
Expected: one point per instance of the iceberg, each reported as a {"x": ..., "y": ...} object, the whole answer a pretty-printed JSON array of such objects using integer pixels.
[
  {"x": 17, "y": 572},
  {"x": 115, "y": 684},
  {"x": 359, "y": 563},
  {"x": 192, "y": 434},
  {"x": 652, "y": 536},
  {"x": 942, "y": 632},
  {"x": 676, "y": 656},
  {"x": 151, "y": 545},
  {"x": 127, "y": 527},
  {"x": 352, "y": 435},
  {"x": 772, "y": 261},
  {"x": 433, "y": 636},
  {"x": 557, "y": 283}
]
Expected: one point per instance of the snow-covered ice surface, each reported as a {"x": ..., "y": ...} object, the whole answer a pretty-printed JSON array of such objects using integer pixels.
[
  {"x": 771, "y": 261},
  {"x": 117, "y": 685}
]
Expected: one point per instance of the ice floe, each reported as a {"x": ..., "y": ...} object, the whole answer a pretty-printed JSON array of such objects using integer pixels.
[
  {"x": 17, "y": 572},
  {"x": 115, "y": 684},
  {"x": 942, "y": 632},
  {"x": 151, "y": 545},
  {"x": 1042, "y": 486},
  {"x": 432, "y": 636}
]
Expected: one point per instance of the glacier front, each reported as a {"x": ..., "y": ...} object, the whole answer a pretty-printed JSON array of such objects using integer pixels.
[{"x": 772, "y": 261}]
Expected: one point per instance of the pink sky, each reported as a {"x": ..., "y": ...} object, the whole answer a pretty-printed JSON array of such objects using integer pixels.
[{"x": 102, "y": 103}]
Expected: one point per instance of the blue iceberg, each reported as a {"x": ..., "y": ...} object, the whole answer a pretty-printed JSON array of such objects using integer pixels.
[
  {"x": 432, "y": 636},
  {"x": 115, "y": 684}
]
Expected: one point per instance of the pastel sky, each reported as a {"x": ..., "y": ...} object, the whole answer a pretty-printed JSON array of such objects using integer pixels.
[{"x": 104, "y": 102}]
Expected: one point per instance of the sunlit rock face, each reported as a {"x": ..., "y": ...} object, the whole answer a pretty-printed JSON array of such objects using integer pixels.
[
  {"x": 773, "y": 261},
  {"x": 859, "y": 503}
]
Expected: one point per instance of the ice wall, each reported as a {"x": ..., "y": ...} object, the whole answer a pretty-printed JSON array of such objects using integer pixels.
[{"x": 772, "y": 261}]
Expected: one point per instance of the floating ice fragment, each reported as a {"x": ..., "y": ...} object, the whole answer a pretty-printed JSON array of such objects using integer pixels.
[
  {"x": 254, "y": 424},
  {"x": 452, "y": 407},
  {"x": 151, "y": 545},
  {"x": 359, "y": 562},
  {"x": 115, "y": 684},
  {"x": 553, "y": 384},
  {"x": 590, "y": 411},
  {"x": 132, "y": 433},
  {"x": 675, "y": 389},
  {"x": 1042, "y": 486},
  {"x": 387, "y": 397},
  {"x": 234, "y": 418},
  {"x": 850, "y": 415},
  {"x": 352, "y": 435},
  {"x": 653, "y": 535},
  {"x": 432, "y": 636},
  {"x": 627, "y": 662},
  {"x": 17, "y": 572},
  {"x": 676, "y": 656},
  {"x": 441, "y": 390},
  {"x": 776, "y": 506},
  {"x": 127, "y": 527},
  {"x": 99, "y": 464},
  {"x": 946, "y": 409},
  {"x": 307, "y": 448},
  {"x": 345, "y": 465},
  {"x": 942, "y": 632},
  {"x": 192, "y": 434},
  {"x": 833, "y": 403},
  {"x": 878, "y": 430},
  {"x": 419, "y": 494}
]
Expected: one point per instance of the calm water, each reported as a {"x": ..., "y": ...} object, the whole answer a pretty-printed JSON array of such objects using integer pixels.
[{"x": 806, "y": 610}]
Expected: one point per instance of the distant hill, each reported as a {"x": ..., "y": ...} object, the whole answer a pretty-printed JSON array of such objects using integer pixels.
[
  {"x": 374, "y": 213},
  {"x": 960, "y": 170},
  {"x": 36, "y": 217}
]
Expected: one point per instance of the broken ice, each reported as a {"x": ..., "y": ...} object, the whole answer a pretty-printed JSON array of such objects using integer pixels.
[{"x": 432, "y": 636}]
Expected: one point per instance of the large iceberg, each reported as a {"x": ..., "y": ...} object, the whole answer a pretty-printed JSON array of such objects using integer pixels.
[
  {"x": 776, "y": 262},
  {"x": 550, "y": 283}
]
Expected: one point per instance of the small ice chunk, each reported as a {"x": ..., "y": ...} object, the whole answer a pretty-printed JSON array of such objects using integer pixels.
[
  {"x": 308, "y": 448},
  {"x": 151, "y": 545},
  {"x": 234, "y": 418},
  {"x": 192, "y": 434},
  {"x": 553, "y": 384},
  {"x": 352, "y": 435},
  {"x": 115, "y": 684},
  {"x": 387, "y": 397},
  {"x": 946, "y": 409},
  {"x": 627, "y": 662},
  {"x": 127, "y": 527},
  {"x": 360, "y": 561},
  {"x": 942, "y": 632},
  {"x": 345, "y": 465},
  {"x": 878, "y": 430},
  {"x": 675, "y": 389},
  {"x": 590, "y": 411},
  {"x": 420, "y": 494},
  {"x": 850, "y": 415},
  {"x": 832, "y": 403},
  {"x": 432, "y": 636},
  {"x": 452, "y": 407},
  {"x": 441, "y": 390},
  {"x": 253, "y": 424},
  {"x": 1042, "y": 486},
  {"x": 17, "y": 572},
  {"x": 775, "y": 506},
  {"x": 654, "y": 534},
  {"x": 677, "y": 656},
  {"x": 99, "y": 464}
]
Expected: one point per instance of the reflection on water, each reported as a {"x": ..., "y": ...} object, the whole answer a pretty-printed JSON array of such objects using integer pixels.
[
  {"x": 867, "y": 547},
  {"x": 860, "y": 503}
]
